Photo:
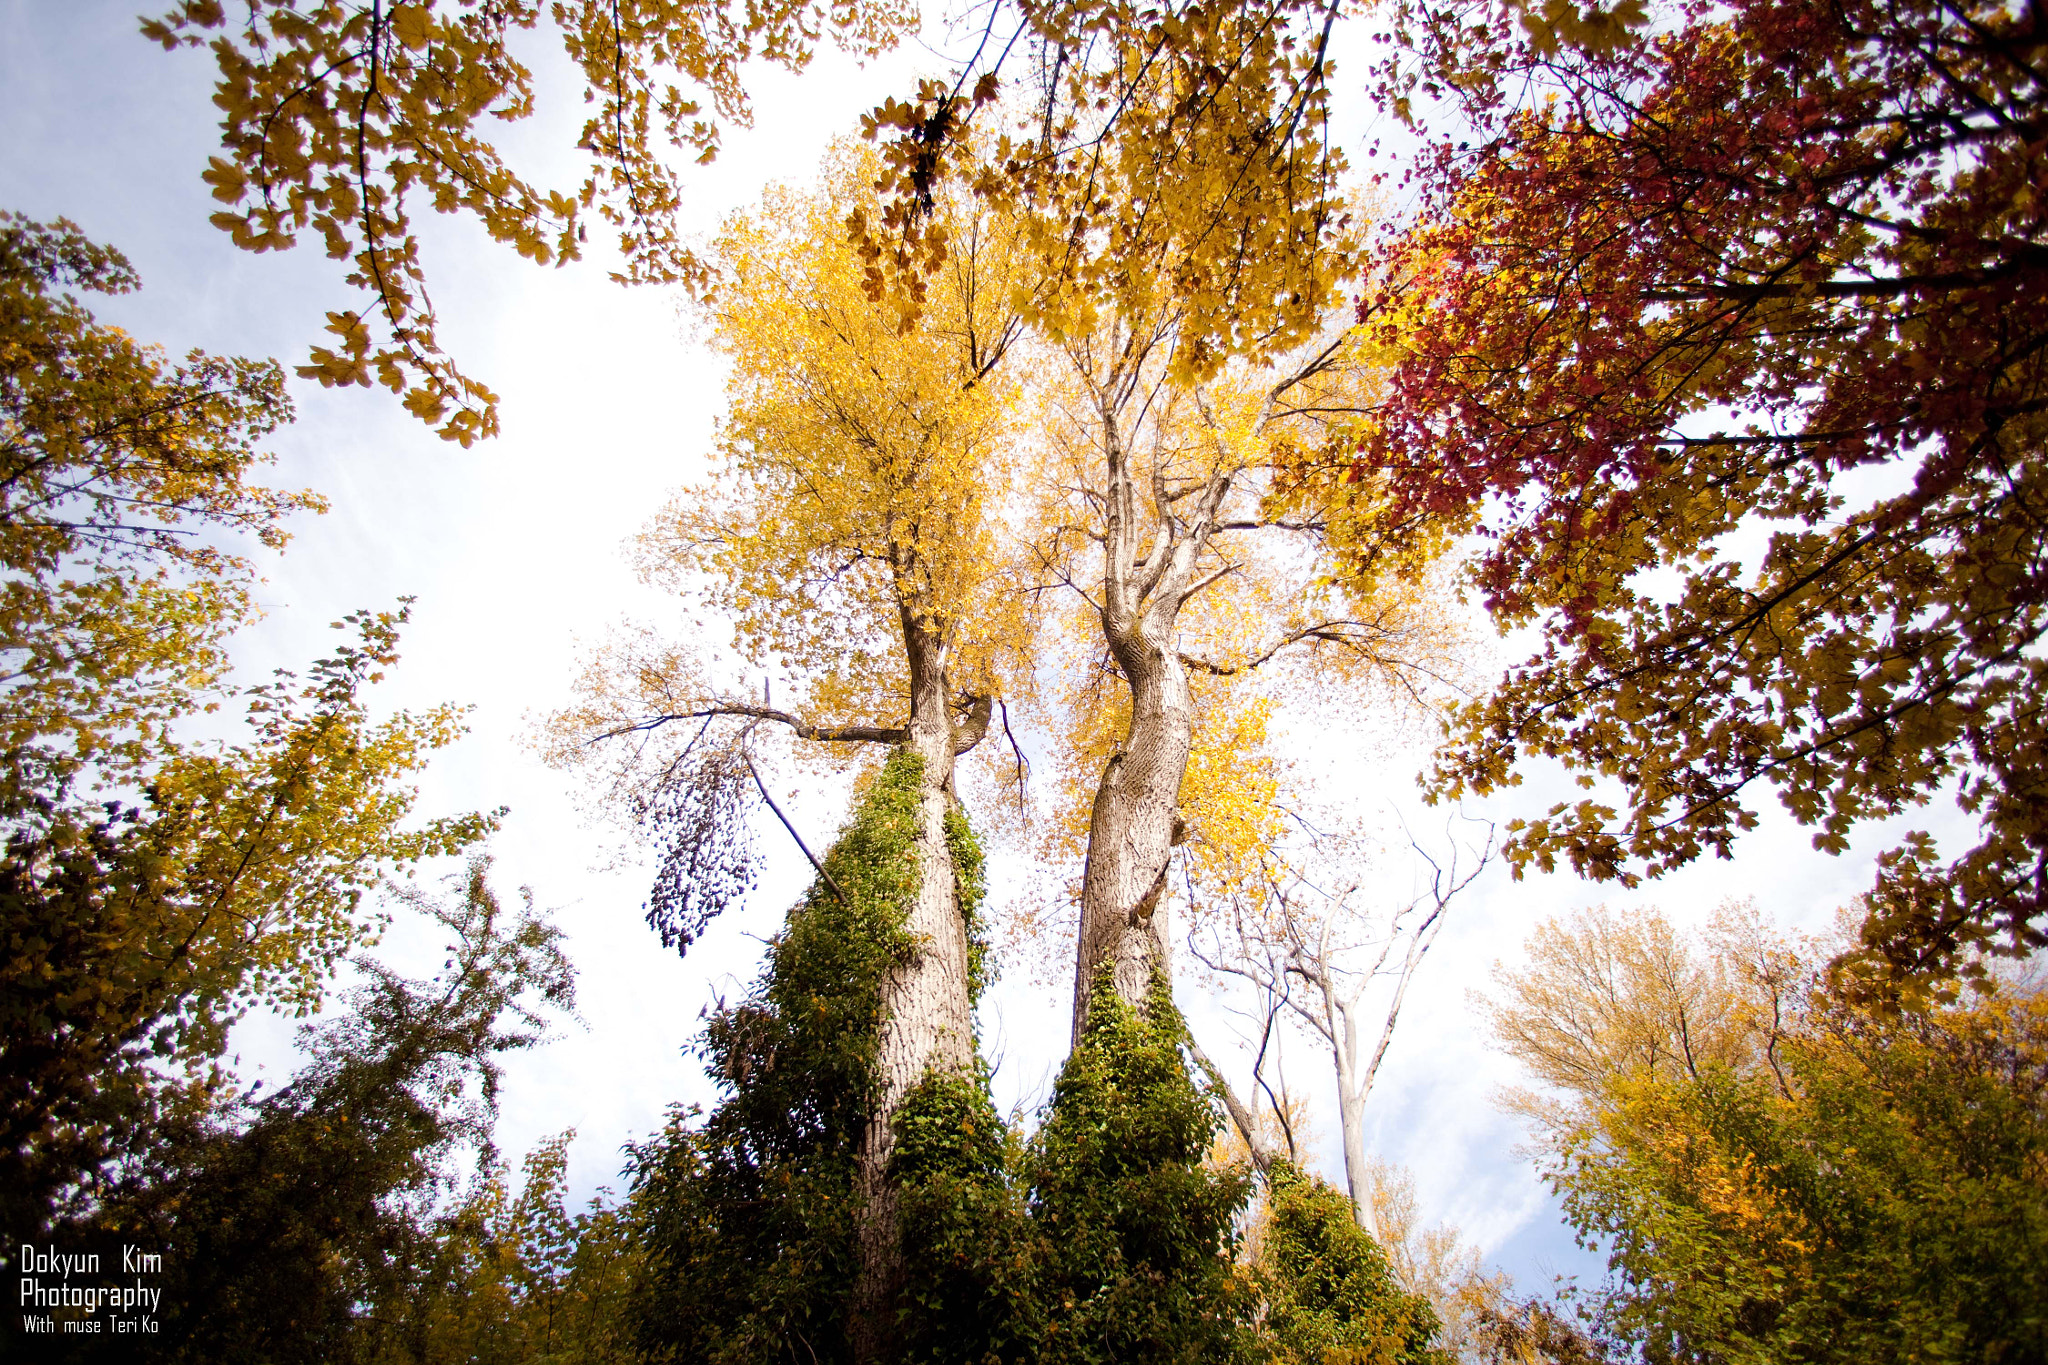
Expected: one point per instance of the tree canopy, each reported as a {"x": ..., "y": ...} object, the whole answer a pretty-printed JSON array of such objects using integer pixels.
[
  {"x": 1777, "y": 1168},
  {"x": 121, "y": 470},
  {"x": 339, "y": 117},
  {"x": 154, "y": 885},
  {"x": 1725, "y": 332},
  {"x": 337, "y": 113}
]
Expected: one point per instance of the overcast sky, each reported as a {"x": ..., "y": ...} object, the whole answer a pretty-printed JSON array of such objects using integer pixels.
[{"x": 514, "y": 552}]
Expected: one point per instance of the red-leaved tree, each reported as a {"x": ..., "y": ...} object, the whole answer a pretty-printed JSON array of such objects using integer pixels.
[{"x": 1723, "y": 326}]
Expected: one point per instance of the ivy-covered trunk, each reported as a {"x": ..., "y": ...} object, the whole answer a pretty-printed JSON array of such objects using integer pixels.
[
  {"x": 772, "y": 1225},
  {"x": 1138, "y": 1235},
  {"x": 926, "y": 1023}
]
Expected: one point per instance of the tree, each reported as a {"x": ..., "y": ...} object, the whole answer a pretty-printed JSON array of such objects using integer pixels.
[
  {"x": 119, "y": 471},
  {"x": 151, "y": 887},
  {"x": 337, "y": 113},
  {"x": 1104, "y": 1236},
  {"x": 137, "y": 934},
  {"x": 1331, "y": 1294},
  {"x": 758, "y": 1219},
  {"x": 1609, "y": 994},
  {"x": 1316, "y": 957},
  {"x": 1481, "y": 1317},
  {"x": 1778, "y": 1167},
  {"x": 516, "y": 1278},
  {"x": 868, "y": 443},
  {"x": 1530, "y": 1332},
  {"x": 1192, "y": 243},
  {"x": 1730, "y": 346},
  {"x": 856, "y": 538},
  {"x": 1168, "y": 483},
  {"x": 1138, "y": 1231},
  {"x": 295, "y": 1226},
  {"x": 856, "y": 546}
]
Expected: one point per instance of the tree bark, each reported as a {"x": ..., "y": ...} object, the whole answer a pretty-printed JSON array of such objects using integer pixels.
[
  {"x": 1134, "y": 823},
  {"x": 1132, "y": 827},
  {"x": 1351, "y": 1118},
  {"x": 927, "y": 1015}
]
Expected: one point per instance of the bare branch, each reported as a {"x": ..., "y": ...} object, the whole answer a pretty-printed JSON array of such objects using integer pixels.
[
  {"x": 1247, "y": 1123},
  {"x": 848, "y": 734},
  {"x": 1023, "y": 765},
  {"x": 829, "y": 880},
  {"x": 1351, "y": 633}
]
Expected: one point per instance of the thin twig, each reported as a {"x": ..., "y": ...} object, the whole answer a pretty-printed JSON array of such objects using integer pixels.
[{"x": 748, "y": 759}]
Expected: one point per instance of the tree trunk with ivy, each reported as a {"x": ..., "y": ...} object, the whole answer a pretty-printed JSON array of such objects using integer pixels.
[
  {"x": 856, "y": 520},
  {"x": 926, "y": 1020}
]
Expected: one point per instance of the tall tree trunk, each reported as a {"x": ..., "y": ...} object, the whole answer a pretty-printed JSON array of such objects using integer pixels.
[
  {"x": 1351, "y": 1121},
  {"x": 1134, "y": 823},
  {"x": 927, "y": 1014},
  {"x": 1158, "y": 524}
]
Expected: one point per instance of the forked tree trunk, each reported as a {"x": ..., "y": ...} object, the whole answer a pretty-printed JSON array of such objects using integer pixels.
[
  {"x": 1153, "y": 563},
  {"x": 1132, "y": 827},
  {"x": 1135, "y": 820},
  {"x": 927, "y": 1014}
]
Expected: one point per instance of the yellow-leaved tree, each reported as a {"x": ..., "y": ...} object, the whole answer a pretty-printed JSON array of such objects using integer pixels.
[
  {"x": 1198, "y": 579},
  {"x": 339, "y": 117},
  {"x": 858, "y": 537},
  {"x": 1783, "y": 1161},
  {"x": 154, "y": 886},
  {"x": 1199, "y": 338}
]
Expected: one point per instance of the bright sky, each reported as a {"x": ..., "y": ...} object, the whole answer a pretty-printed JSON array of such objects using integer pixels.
[{"x": 514, "y": 552}]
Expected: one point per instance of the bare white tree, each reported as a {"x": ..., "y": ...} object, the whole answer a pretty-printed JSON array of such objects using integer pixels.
[{"x": 1315, "y": 950}]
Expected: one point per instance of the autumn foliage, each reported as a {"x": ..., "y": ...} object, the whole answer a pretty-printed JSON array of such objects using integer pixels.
[
  {"x": 1716, "y": 334},
  {"x": 1726, "y": 337},
  {"x": 153, "y": 886},
  {"x": 1777, "y": 1168},
  {"x": 341, "y": 118}
]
